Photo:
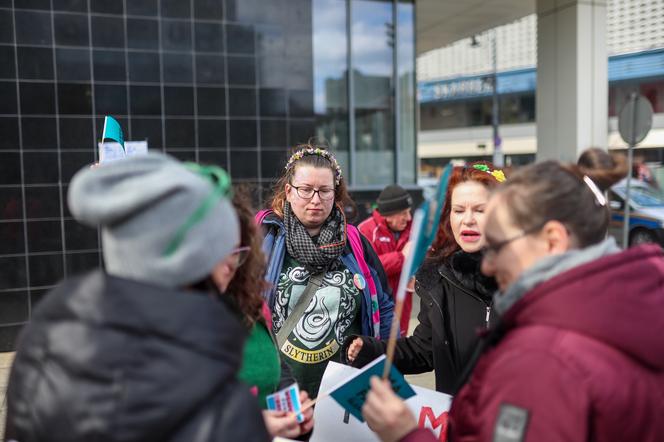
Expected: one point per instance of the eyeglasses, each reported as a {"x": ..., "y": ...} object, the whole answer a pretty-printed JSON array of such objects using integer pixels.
[
  {"x": 490, "y": 251},
  {"x": 307, "y": 193},
  {"x": 239, "y": 255}
]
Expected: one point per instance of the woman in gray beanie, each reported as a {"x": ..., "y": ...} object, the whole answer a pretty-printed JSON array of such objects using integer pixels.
[{"x": 145, "y": 350}]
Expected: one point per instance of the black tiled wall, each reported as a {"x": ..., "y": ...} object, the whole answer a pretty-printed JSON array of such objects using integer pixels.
[{"x": 206, "y": 80}]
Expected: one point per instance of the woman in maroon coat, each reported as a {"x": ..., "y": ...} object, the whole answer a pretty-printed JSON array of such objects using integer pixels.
[{"x": 579, "y": 352}]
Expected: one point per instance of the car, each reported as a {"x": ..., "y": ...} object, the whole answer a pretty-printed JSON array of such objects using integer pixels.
[{"x": 646, "y": 219}]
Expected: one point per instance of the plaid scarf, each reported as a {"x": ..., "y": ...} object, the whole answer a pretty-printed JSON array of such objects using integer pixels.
[{"x": 315, "y": 255}]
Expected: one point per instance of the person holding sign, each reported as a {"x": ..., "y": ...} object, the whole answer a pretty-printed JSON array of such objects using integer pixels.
[
  {"x": 578, "y": 354},
  {"x": 455, "y": 298},
  {"x": 326, "y": 282},
  {"x": 144, "y": 349},
  {"x": 241, "y": 279}
]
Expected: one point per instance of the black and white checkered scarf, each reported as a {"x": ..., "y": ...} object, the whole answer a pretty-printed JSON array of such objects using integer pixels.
[{"x": 315, "y": 255}]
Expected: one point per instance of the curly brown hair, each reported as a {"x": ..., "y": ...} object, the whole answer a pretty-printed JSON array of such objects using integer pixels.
[
  {"x": 278, "y": 198},
  {"x": 248, "y": 284}
]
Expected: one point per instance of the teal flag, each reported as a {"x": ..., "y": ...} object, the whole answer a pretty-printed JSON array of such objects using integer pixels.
[
  {"x": 432, "y": 210},
  {"x": 112, "y": 131},
  {"x": 423, "y": 231}
]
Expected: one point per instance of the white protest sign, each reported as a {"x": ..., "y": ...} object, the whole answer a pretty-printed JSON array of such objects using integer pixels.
[
  {"x": 333, "y": 424},
  {"x": 111, "y": 151}
]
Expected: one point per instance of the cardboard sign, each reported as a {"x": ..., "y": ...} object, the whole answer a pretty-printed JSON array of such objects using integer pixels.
[
  {"x": 111, "y": 151},
  {"x": 352, "y": 392},
  {"x": 334, "y": 424},
  {"x": 287, "y": 399}
]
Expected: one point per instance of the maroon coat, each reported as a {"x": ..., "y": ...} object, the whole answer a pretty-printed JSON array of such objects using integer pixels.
[{"x": 582, "y": 359}]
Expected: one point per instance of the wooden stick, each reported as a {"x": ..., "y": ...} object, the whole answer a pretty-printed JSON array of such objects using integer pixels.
[
  {"x": 392, "y": 342},
  {"x": 312, "y": 402}
]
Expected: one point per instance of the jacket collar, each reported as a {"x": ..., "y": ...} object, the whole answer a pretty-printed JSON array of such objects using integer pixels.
[
  {"x": 381, "y": 222},
  {"x": 465, "y": 269},
  {"x": 549, "y": 267}
]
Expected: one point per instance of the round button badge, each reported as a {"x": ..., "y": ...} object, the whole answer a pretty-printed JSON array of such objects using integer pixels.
[{"x": 359, "y": 281}]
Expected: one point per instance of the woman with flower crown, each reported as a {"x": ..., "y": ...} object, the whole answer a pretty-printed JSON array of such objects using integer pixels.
[
  {"x": 455, "y": 297},
  {"x": 325, "y": 281}
]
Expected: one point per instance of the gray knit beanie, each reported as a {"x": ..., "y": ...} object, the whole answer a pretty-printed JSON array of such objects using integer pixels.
[{"x": 141, "y": 203}]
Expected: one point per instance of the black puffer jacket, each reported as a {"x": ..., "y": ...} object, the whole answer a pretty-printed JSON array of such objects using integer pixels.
[
  {"x": 455, "y": 303},
  {"x": 108, "y": 359}
]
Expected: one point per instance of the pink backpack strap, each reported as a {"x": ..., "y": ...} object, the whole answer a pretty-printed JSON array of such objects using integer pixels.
[
  {"x": 261, "y": 215},
  {"x": 358, "y": 251}
]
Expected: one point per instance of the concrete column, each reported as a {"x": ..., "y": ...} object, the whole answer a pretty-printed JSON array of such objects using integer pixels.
[{"x": 572, "y": 78}]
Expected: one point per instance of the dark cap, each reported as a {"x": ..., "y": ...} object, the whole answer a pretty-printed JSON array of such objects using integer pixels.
[{"x": 393, "y": 199}]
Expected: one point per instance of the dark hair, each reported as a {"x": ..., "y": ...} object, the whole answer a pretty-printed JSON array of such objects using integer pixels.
[
  {"x": 248, "y": 284},
  {"x": 606, "y": 168},
  {"x": 278, "y": 198},
  {"x": 547, "y": 191},
  {"x": 444, "y": 245}
]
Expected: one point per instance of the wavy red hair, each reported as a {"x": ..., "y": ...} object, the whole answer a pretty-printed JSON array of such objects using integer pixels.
[{"x": 444, "y": 245}]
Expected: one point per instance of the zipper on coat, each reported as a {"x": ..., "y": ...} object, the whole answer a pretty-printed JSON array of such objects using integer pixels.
[{"x": 488, "y": 315}]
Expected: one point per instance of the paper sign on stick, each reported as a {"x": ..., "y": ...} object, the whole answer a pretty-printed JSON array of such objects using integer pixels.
[
  {"x": 334, "y": 424},
  {"x": 351, "y": 393},
  {"x": 287, "y": 399}
]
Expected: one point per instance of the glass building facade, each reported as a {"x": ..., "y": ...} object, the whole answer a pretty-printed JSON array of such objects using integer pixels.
[
  {"x": 364, "y": 88},
  {"x": 229, "y": 82}
]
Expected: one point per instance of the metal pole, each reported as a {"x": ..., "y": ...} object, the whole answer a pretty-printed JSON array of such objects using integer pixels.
[
  {"x": 350, "y": 82},
  {"x": 495, "y": 117},
  {"x": 397, "y": 93},
  {"x": 630, "y": 163}
]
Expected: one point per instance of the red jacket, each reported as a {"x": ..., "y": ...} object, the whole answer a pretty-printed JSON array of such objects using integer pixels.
[
  {"x": 582, "y": 359},
  {"x": 388, "y": 249}
]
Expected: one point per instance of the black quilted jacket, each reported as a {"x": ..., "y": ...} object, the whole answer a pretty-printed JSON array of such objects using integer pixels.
[
  {"x": 455, "y": 304},
  {"x": 109, "y": 359}
]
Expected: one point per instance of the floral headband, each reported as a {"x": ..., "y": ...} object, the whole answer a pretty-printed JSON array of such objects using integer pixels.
[
  {"x": 320, "y": 152},
  {"x": 496, "y": 173}
]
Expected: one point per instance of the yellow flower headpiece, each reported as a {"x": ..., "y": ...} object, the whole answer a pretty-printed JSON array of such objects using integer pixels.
[{"x": 498, "y": 174}]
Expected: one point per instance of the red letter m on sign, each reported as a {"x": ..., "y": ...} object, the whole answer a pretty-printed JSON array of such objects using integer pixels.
[{"x": 441, "y": 421}]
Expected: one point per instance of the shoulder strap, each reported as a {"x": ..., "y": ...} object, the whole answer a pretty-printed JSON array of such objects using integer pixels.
[
  {"x": 261, "y": 215},
  {"x": 358, "y": 252},
  {"x": 315, "y": 282}
]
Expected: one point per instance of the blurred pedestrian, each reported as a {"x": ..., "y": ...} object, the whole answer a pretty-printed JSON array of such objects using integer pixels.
[
  {"x": 388, "y": 231},
  {"x": 613, "y": 166},
  {"x": 455, "y": 298},
  {"x": 326, "y": 281},
  {"x": 144, "y": 349}
]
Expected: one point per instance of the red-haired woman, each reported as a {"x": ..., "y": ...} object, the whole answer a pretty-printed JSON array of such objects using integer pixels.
[{"x": 455, "y": 298}]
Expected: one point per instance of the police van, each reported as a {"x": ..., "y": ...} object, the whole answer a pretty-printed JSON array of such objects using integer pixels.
[{"x": 646, "y": 219}]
